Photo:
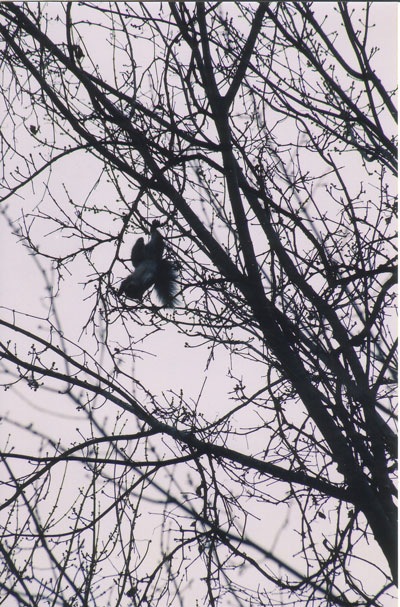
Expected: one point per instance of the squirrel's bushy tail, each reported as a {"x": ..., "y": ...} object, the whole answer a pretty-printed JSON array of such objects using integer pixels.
[{"x": 165, "y": 282}]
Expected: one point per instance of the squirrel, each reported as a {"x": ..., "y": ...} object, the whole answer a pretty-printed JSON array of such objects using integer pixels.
[{"x": 151, "y": 269}]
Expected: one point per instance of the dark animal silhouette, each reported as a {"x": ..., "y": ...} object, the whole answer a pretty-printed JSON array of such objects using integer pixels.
[{"x": 151, "y": 269}]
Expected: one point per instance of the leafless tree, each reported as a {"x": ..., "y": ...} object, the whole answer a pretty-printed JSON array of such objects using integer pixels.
[{"x": 261, "y": 137}]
